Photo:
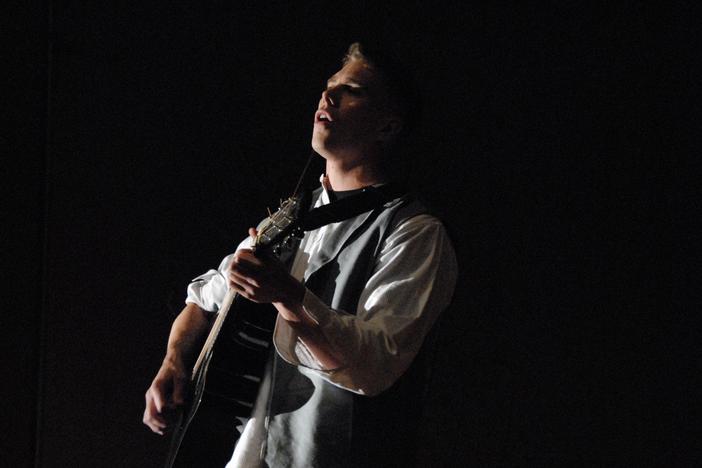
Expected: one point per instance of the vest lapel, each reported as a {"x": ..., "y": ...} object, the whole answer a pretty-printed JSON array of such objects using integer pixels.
[
  {"x": 336, "y": 240},
  {"x": 339, "y": 237}
]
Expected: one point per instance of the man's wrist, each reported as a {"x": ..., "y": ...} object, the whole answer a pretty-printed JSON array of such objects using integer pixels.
[
  {"x": 291, "y": 307},
  {"x": 297, "y": 292},
  {"x": 293, "y": 294},
  {"x": 175, "y": 358}
]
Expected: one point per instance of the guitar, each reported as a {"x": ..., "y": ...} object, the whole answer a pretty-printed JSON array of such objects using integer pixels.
[{"x": 234, "y": 355}]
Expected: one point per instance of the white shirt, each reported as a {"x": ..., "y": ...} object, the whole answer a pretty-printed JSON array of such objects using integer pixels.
[{"x": 412, "y": 282}]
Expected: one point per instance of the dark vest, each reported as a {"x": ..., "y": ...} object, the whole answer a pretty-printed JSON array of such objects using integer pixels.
[{"x": 314, "y": 423}]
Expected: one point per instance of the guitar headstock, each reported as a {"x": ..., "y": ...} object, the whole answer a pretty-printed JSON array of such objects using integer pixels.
[{"x": 281, "y": 227}]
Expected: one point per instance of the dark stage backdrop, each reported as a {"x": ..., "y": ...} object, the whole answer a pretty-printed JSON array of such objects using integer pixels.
[{"x": 150, "y": 135}]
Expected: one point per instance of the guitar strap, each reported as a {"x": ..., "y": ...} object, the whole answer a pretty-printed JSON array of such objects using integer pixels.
[{"x": 369, "y": 198}]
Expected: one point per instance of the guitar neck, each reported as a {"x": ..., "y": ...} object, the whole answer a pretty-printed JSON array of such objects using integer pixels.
[{"x": 214, "y": 331}]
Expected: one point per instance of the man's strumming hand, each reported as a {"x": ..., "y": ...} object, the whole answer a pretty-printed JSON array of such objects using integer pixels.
[{"x": 165, "y": 395}]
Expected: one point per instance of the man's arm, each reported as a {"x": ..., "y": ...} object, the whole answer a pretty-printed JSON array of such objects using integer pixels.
[
  {"x": 205, "y": 295},
  {"x": 266, "y": 280},
  {"x": 366, "y": 352},
  {"x": 167, "y": 391}
]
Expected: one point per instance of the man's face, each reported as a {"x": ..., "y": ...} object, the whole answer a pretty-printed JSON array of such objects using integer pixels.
[{"x": 352, "y": 112}]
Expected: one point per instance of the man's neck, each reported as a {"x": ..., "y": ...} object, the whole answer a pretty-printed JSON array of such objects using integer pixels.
[{"x": 345, "y": 177}]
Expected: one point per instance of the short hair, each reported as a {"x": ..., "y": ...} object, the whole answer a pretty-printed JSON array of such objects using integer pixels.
[{"x": 402, "y": 90}]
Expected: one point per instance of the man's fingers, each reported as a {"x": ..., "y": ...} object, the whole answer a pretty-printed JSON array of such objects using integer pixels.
[
  {"x": 158, "y": 400},
  {"x": 166, "y": 392},
  {"x": 246, "y": 258},
  {"x": 156, "y": 422},
  {"x": 245, "y": 281},
  {"x": 246, "y": 292},
  {"x": 253, "y": 232},
  {"x": 154, "y": 405},
  {"x": 154, "y": 428},
  {"x": 153, "y": 420}
]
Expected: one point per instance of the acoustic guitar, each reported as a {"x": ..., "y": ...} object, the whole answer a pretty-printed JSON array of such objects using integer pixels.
[{"x": 229, "y": 369}]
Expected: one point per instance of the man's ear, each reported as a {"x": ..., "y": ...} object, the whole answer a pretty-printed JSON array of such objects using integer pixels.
[{"x": 389, "y": 128}]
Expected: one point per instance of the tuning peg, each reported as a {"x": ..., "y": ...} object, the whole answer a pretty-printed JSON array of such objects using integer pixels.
[{"x": 269, "y": 212}]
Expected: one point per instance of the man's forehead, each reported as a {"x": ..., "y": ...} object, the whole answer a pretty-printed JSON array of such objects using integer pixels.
[{"x": 355, "y": 71}]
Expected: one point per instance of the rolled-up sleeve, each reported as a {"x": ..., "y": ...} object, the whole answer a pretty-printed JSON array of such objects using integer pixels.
[
  {"x": 208, "y": 290},
  {"x": 412, "y": 282}
]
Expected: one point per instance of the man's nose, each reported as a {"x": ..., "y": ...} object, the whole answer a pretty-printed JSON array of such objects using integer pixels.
[{"x": 329, "y": 97}]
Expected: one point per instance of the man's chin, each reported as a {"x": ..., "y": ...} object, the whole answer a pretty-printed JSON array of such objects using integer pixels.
[{"x": 322, "y": 145}]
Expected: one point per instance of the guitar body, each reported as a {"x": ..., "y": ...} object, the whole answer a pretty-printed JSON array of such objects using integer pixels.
[
  {"x": 228, "y": 372},
  {"x": 225, "y": 389}
]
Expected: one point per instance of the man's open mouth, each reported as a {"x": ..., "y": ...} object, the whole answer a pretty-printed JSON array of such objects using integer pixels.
[{"x": 322, "y": 116}]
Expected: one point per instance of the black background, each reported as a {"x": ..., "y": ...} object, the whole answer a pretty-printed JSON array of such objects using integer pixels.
[{"x": 145, "y": 137}]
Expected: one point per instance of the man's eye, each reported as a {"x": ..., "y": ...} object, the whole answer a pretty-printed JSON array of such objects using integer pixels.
[
  {"x": 355, "y": 90},
  {"x": 352, "y": 89}
]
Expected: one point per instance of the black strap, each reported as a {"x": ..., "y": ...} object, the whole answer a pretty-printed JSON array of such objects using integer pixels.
[{"x": 369, "y": 198}]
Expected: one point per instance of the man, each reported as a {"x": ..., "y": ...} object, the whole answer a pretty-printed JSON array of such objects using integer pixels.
[{"x": 353, "y": 310}]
